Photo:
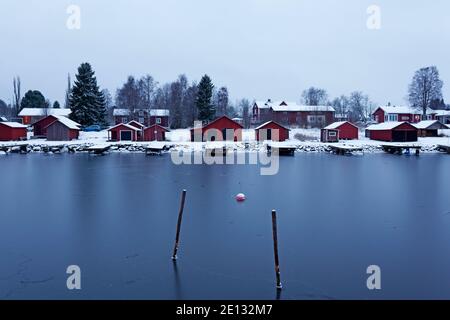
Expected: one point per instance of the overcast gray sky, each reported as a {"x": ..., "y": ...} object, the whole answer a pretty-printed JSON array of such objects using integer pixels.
[{"x": 257, "y": 48}]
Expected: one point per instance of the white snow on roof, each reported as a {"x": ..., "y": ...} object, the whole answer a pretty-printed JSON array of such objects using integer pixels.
[
  {"x": 404, "y": 110},
  {"x": 335, "y": 125},
  {"x": 425, "y": 124},
  {"x": 262, "y": 125},
  {"x": 442, "y": 112},
  {"x": 266, "y": 123},
  {"x": 263, "y": 104},
  {"x": 38, "y": 112},
  {"x": 298, "y": 108},
  {"x": 13, "y": 124},
  {"x": 385, "y": 125},
  {"x": 159, "y": 112},
  {"x": 152, "y": 112},
  {"x": 3, "y": 119},
  {"x": 136, "y": 122},
  {"x": 125, "y": 125},
  {"x": 121, "y": 112},
  {"x": 68, "y": 123},
  {"x": 283, "y": 105}
]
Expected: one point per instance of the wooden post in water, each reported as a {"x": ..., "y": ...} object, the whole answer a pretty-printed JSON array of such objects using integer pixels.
[
  {"x": 180, "y": 217},
  {"x": 275, "y": 249}
]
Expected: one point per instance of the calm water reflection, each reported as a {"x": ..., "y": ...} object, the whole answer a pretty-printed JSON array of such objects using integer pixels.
[{"x": 115, "y": 217}]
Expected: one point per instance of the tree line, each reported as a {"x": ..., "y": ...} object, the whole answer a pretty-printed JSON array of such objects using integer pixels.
[{"x": 190, "y": 101}]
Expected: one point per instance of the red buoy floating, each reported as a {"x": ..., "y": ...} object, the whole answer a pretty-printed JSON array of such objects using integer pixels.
[{"x": 240, "y": 197}]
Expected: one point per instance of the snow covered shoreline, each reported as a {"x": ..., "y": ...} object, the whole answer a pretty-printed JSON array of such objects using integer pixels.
[{"x": 179, "y": 141}]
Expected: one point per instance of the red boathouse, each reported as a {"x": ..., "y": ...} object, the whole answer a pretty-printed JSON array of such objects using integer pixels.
[
  {"x": 218, "y": 130},
  {"x": 342, "y": 130},
  {"x": 123, "y": 132},
  {"x": 155, "y": 132},
  {"x": 10, "y": 131},
  {"x": 62, "y": 129},
  {"x": 40, "y": 127},
  {"x": 271, "y": 130},
  {"x": 392, "y": 132}
]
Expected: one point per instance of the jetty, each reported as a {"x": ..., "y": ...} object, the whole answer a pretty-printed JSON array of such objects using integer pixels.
[
  {"x": 342, "y": 149},
  {"x": 284, "y": 149},
  {"x": 399, "y": 148},
  {"x": 155, "y": 148},
  {"x": 444, "y": 148},
  {"x": 15, "y": 148},
  {"x": 99, "y": 148},
  {"x": 54, "y": 149}
]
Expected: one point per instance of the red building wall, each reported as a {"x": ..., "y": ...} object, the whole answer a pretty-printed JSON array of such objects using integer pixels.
[
  {"x": 149, "y": 133},
  {"x": 347, "y": 131},
  {"x": 387, "y": 135},
  {"x": 115, "y": 133},
  {"x": 10, "y": 134},
  {"x": 39, "y": 127},
  {"x": 283, "y": 133},
  {"x": 378, "y": 115},
  {"x": 57, "y": 131},
  {"x": 216, "y": 129},
  {"x": 164, "y": 121}
]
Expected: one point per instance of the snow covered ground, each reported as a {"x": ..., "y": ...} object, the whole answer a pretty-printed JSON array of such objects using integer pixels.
[{"x": 302, "y": 139}]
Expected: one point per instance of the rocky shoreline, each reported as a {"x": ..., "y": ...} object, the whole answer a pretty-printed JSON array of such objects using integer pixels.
[{"x": 315, "y": 147}]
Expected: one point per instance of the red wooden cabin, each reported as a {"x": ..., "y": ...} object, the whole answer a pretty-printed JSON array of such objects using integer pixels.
[
  {"x": 123, "y": 132},
  {"x": 155, "y": 132},
  {"x": 392, "y": 132},
  {"x": 10, "y": 131},
  {"x": 429, "y": 128},
  {"x": 39, "y": 127},
  {"x": 221, "y": 129},
  {"x": 62, "y": 129},
  {"x": 342, "y": 130},
  {"x": 271, "y": 130}
]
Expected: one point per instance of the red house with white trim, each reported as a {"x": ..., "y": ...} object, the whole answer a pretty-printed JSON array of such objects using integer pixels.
[
  {"x": 147, "y": 117},
  {"x": 123, "y": 132},
  {"x": 292, "y": 114},
  {"x": 221, "y": 129},
  {"x": 401, "y": 114},
  {"x": 392, "y": 132},
  {"x": 10, "y": 131},
  {"x": 271, "y": 131}
]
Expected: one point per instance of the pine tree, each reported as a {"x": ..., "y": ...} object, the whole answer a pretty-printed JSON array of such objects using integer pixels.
[
  {"x": 86, "y": 100},
  {"x": 206, "y": 110}
]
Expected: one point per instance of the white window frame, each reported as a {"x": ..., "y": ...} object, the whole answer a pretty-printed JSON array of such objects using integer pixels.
[
  {"x": 393, "y": 117},
  {"x": 158, "y": 120},
  {"x": 124, "y": 119}
]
